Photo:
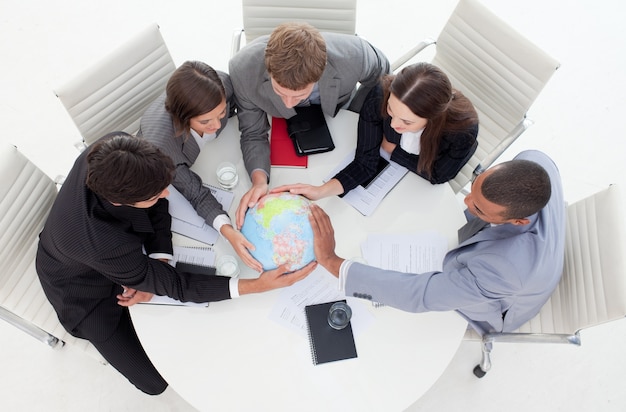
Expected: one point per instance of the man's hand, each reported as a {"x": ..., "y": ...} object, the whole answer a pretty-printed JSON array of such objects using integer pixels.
[
  {"x": 324, "y": 240},
  {"x": 242, "y": 246},
  {"x": 274, "y": 279},
  {"x": 131, "y": 296}
]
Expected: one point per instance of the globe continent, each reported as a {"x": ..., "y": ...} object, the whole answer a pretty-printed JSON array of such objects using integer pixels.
[{"x": 278, "y": 226}]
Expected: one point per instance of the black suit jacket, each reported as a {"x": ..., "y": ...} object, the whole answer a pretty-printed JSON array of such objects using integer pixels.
[
  {"x": 455, "y": 149},
  {"x": 89, "y": 248}
]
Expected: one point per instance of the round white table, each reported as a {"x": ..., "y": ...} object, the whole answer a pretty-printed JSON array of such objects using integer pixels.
[{"x": 232, "y": 356}]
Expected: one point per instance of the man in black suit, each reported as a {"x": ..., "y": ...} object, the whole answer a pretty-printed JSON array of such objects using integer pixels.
[{"x": 91, "y": 259}]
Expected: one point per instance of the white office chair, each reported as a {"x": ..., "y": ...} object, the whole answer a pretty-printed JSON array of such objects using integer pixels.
[
  {"x": 26, "y": 196},
  {"x": 260, "y": 17},
  {"x": 593, "y": 287},
  {"x": 499, "y": 70},
  {"x": 112, "y": 94}
]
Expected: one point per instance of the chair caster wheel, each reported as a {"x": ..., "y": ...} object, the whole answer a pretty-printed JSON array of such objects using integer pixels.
[{"x": 479, "y": 373}]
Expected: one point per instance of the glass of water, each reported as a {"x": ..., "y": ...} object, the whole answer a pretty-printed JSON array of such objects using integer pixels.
[
  {"x": 227, "y": 175},
  {"x": 227, "y": 265},
  {"x": 339, "y": 315}
]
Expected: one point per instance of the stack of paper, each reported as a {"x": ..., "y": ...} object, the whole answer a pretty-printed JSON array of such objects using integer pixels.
[{"x": 185, "y": 219}]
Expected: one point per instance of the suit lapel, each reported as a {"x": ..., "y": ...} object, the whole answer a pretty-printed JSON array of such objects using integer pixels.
[
  {"x": 497, "y": 232},
  {"x": 471, "y": 228},
  {"x": 191, "y": 150},
  {"x": 329, "y": 90}
]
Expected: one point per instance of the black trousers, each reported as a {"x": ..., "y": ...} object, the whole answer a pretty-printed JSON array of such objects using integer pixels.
[{"x": 124, "y": 352}]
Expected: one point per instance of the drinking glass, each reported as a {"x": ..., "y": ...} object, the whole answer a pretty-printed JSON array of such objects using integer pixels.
[
  {"x": 339, "y": 315},
  {"x": 227, "y": 175},
  {"x": 227, "y": 265}
]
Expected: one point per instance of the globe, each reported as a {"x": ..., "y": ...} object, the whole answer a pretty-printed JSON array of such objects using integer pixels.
[{"x": 278, "y": 226}]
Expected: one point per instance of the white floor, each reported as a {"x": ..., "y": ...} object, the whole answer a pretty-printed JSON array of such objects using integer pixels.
[{"x": 577, "y": 123}]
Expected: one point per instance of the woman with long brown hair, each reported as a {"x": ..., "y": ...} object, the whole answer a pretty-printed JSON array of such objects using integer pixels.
[{"x": 416, "y": 119}]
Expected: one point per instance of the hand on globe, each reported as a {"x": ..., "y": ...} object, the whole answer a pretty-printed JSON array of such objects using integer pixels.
[
  {"x": 241, "y": 246},
  {"x": 331, "y": 188},
  {"x": 259, "y": 189},
  {"x": 283, "y": 276},
  {"x": 324, "y": 240},
  {"x": 278, "y": 226},
  {"x": 273, "y": 279}
]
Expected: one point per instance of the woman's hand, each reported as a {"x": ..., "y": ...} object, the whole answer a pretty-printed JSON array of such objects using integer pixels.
[
  {"x": 242, "y": 246},
  {"x": 309, "y": 191},
  {"x": 330, "y": 188}
]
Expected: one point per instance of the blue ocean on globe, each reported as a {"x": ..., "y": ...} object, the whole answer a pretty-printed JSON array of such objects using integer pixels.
[{"x": 279, "y": 228}]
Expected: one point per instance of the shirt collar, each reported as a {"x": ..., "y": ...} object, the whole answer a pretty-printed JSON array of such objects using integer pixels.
[{"x": 136, "y": 217}]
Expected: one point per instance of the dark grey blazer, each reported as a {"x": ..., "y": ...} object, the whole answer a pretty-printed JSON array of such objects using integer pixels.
[
  {"x": 350, "y": 60},
  {"x": 157, "y": 127}
]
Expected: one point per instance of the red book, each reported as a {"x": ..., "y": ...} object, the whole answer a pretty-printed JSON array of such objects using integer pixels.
[{"x": 282, "y": 151}]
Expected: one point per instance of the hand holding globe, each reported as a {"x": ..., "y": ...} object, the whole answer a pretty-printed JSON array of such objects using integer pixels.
[{"x": 278, "y": 226}]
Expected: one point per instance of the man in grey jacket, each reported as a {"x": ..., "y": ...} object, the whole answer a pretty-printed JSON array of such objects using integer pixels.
[
  {"x": 508, "y": 262},
  {"x": 295, "y": 66}
]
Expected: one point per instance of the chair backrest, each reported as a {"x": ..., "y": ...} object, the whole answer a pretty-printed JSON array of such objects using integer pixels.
[
  {"x": 112, "y": 94},
  {"x": 26, "y": 196},
  {"x": 499, "y": 70},
  {"x": 593, "y": 287},
  {"x": 260, "y": 17}
]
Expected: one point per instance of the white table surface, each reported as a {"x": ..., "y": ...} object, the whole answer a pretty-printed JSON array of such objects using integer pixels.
[{"x": 232, "y": 356}]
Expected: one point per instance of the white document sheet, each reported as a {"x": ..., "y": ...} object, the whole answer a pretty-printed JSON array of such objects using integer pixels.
[
  {"x": 367, "y": 199},
  {"x": 187, "y": 222},
  {"x": 319, "y": 287},
  {"x": 409, "y": 253}
]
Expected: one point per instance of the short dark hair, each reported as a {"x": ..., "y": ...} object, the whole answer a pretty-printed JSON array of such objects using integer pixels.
[
  {"x": 194, "y": 89},
  {"x": 125, "y": 169},
  {"x": 521, "y": 186}
]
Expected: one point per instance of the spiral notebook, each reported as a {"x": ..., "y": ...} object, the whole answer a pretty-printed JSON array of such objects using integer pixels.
[{"x": 328, "y": 344}]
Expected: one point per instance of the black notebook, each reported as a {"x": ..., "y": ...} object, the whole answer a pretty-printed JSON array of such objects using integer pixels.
[
  {"x": 328, "y": 344},
  {"x": 309, "y": 132}
]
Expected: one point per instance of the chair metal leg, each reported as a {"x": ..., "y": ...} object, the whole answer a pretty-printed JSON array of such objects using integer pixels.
[
  {"x": 483, "y": 367},
  {"x": 489, "y": 338},
  {"x": 36, "y": 332}
]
